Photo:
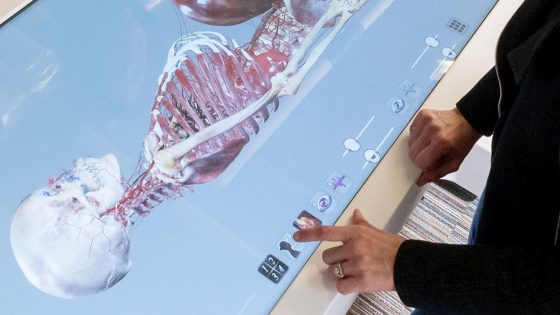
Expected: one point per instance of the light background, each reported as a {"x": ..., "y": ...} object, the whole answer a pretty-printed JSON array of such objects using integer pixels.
[{"x": 78, "y": 79}]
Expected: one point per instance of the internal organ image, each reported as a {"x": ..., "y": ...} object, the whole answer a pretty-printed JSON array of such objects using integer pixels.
[
  {"x": 214, "y": 94},
  {"x": 208, "y": 79},
  {"x": 223, "y": 12},
  {"x": 71, "y": 238},
  {"x": 230, "y": 12}
]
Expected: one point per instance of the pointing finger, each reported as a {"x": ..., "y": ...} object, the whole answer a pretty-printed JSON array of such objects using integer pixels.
[{"x": 324, "y": 233}]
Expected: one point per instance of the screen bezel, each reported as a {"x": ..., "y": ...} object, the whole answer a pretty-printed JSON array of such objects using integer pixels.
[{"x": 10, "y": 11}]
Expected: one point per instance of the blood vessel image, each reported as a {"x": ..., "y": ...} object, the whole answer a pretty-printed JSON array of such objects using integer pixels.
[
  {"x": 71, "y": 238},
  {"x": 60, "y": 239}
]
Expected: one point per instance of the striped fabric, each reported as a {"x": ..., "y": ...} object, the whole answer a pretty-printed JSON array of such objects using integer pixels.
[{"x": 443, "y": 215}]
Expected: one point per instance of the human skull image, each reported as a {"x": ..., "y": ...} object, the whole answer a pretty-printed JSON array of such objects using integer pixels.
[
  {"x": 61, "y": 240},
  {"x": 70, "y": 238}
]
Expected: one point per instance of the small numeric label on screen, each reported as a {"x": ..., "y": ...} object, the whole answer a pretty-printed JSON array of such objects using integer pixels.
[{"x": 273, "y": 269}]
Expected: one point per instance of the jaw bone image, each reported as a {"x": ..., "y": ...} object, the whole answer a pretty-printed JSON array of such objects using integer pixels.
[{"x": 71, "y": 238}]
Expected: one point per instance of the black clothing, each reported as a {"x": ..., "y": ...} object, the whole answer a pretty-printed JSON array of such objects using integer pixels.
[{"x": 514, "y": 266}]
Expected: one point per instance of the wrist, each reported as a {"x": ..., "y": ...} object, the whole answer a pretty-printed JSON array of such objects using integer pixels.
[
  {"x": 468, "y": 131},
  {"x": 398, "y": 244}
]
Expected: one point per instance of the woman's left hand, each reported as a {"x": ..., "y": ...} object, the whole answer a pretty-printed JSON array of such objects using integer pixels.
[{"x": 366, "y": 256}]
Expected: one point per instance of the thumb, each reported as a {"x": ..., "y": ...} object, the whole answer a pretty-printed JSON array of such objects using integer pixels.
[{"x": 358, "y": 218}]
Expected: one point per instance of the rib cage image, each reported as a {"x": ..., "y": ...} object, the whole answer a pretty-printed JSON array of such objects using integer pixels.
[
  {"x": 209, "y": 83},
  {"x": 291, "y": 49},
  {"x": 207, "y": 79},
  {"x": 213, "y": 96}
]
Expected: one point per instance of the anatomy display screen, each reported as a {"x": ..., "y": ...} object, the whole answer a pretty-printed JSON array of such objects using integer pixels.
[{"x": 157, "y": 155}]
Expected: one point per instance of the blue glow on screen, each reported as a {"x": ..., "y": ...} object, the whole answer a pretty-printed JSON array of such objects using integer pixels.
[{"x": 78, "y": 79}]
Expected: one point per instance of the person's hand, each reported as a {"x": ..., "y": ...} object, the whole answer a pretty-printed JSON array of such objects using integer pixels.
[
  {"x": 439, "y": 142},
  {"x": 366, "y": 257}
]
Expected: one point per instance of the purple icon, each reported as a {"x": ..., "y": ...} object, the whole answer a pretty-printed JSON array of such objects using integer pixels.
[
  {"x": 338, "y": 182},
  {"x": 324, "y": 202}
]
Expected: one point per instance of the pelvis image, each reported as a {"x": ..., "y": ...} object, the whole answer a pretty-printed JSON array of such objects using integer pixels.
[{"x": 71, "y": 238}]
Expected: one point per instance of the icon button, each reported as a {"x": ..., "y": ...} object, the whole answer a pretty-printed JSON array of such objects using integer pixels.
[
  {"x": 306, "y": 220},
  {"x": 351, "y": 144},
  {"x": 431, "y": 41},
  {"x": 273, "y": 269},
  {"x": 449, "y": 53},
  {"x": 372, "y": 156},
  {"x": 457, "y": 26},
  {"x": 396, "y": 104},
  {"x": 339, "y": 182},
  {"x": 323, "y": 202},
  {"x": 410, "y": 89},
  {"x": 290, "y": 247}
]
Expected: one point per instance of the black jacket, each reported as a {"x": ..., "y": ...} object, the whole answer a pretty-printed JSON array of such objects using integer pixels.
[{"x": 514, "y": 267}]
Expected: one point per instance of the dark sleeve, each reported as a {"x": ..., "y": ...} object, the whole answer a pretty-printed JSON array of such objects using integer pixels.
[
  {"x": 480, "y": 105},
  {"x": 478, "y": 279}
]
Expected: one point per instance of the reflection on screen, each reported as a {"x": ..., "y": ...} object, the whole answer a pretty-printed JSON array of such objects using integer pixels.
[{"x": 267, "y": 118}]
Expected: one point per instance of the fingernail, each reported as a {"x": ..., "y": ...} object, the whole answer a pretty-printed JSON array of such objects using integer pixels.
[{"x": 297, "y": 236}]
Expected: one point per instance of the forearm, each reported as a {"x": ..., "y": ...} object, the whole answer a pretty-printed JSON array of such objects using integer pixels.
[{"x": 481, "y": 279}]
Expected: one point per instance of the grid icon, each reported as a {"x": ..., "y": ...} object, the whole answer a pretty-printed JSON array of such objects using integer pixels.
[
  {"x": 457, "y": 26},
  {"x": 273, "y": 269}
]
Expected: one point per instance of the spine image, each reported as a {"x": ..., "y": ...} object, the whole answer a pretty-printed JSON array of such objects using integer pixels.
[{"x": 214, "y": 96}]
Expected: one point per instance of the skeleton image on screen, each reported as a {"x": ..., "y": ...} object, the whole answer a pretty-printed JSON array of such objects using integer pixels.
[
  {"x": 71, "y": 238},
  {"x": 61, "y": 240}
]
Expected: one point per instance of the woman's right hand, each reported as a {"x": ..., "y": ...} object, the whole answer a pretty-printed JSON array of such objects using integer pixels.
[{"x": 439, "y": 142}]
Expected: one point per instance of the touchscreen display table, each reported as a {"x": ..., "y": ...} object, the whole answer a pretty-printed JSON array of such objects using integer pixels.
[{"x": 194, "y": 139}]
